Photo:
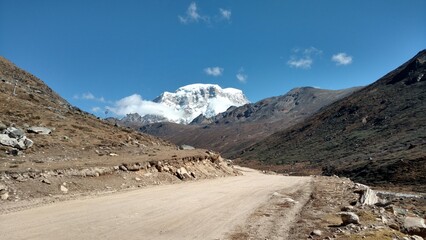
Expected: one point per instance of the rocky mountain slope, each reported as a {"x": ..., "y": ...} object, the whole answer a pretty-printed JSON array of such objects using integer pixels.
[
  {"x": 238, "y": 127},
  {"x": 376, "y": 135},
  {"x": 25, "y": 101},
  {"x": 50, "y": 148}
]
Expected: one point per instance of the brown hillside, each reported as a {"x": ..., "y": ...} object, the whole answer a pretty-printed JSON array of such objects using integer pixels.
[
  {"x": 77, "y": 138},
  {"x": 376, "y": 135}
]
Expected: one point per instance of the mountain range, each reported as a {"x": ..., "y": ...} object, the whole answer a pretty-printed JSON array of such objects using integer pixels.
[
  {"x": 238, "y": 127},
  {"x": 182, "y": 106},
  {"x": 375, "y": 135}
]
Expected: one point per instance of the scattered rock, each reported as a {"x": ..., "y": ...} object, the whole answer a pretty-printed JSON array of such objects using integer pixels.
[
  {"x": 182, "y": 173},
  {"x": 415, "y": 226},
  {"x": 63, "y": 189},
  {"x": 348, "y": 218},
  {"x": 2, "y": 187},
  {"x": 21, "y": 143},
  {"x": 113, "y": 154},
  {"x": 39, "y": 130},
  {"x": 316, "y": 232},
  {"x": 4, "y": 196},
  {"x": 28, "y": 143},
  {"x": 123, "y": 168},
  {"x": 46, "y": 181},
  {"x": 186, "y": 147},
  {"x": 6, "y": 140},
  {"x": 14, "y": 132},
  {"x": 369, "y": 197}
]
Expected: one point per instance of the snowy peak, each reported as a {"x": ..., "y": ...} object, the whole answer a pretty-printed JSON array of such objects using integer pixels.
[{"x": 206, "y": 99}]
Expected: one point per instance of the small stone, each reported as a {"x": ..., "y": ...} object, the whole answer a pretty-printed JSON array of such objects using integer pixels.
[
  {"x": 4, "y": 196},
  {"x": 123, "y": 168},
  {"x": 137, "y": 179},
  {"x": 316, "y": 232},
  {"x": 28, "y": 143},
  {"x": 46, "y": 181},
  {"x": 348, "y": 218},
  {"x": 39, "y": 130},
  {"x": 2, "y": 187},
  {"x": 64, "y": 189}
]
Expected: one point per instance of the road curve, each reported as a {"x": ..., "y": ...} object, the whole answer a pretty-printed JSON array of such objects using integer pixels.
[{"x": 207, "y": 209}]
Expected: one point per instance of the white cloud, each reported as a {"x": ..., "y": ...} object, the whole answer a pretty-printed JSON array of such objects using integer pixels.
[
  {"x": 135, "y": 104},
  {"x": 241, "y": 76},
  {"x": 304, "y": 63},
  {"x": 89, "y": 96},
  {"x": 214, "y": 71},
  {"x": 312, "y": 51},
  {"x": 192, "y": 15},
  {"x": 341, "y": 59},
  {"x": 96, "y": 109},
  {"x": 225, "y": 14},
  {"x": 303, "y": 58}
]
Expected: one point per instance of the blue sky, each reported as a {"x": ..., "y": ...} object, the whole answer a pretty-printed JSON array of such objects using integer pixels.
[{"x": 95, "y": 53}]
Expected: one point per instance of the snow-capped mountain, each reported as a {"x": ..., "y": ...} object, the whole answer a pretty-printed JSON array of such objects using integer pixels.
[{"x": 187, "y": 103}]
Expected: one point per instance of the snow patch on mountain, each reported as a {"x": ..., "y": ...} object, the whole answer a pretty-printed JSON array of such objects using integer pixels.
[{"x": 185, "y": 104}]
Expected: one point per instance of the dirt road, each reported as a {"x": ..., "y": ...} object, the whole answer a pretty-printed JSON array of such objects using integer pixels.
[{"x": 207, "y": 209}]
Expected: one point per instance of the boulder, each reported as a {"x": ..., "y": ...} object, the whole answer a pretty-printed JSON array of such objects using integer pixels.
[
  {"x": 39, "y": 130},
  {"x": 6, "y": 140},
  {"x": 348, "y": 218},
  {"x": 14, "y": 132},
  {"x": 368, "y": 197},
  {"x": 415, "y": 226},
  {"x": 28, "y": 143},
  {"x": 21, "y": 143}
]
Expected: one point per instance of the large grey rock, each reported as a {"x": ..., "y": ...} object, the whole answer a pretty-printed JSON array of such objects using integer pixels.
[
  {"x": 369, "y": 197},
  {"x": 14, "y": 132},
  {"x": 39, "y": 130},
  {"x": 6, "y": 140},
  {"x": 28, "y": 143},
  {"x": 415, "y": 226},
  {"x": 348, "y": 218}
]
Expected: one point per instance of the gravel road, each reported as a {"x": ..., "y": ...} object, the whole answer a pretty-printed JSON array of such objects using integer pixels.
[{"x": 206, "y": 209}]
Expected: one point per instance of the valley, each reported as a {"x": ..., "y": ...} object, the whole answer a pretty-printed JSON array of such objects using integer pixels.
[{"x": 67, "y": 174}]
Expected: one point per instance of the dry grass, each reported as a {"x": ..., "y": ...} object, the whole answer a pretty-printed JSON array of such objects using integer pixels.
[{"x": 376, "y": 235}]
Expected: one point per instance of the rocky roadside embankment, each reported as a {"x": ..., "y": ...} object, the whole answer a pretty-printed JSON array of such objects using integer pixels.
[
  {"x": 25, "y": 188},
  {"x": 342, "y": 209}
]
